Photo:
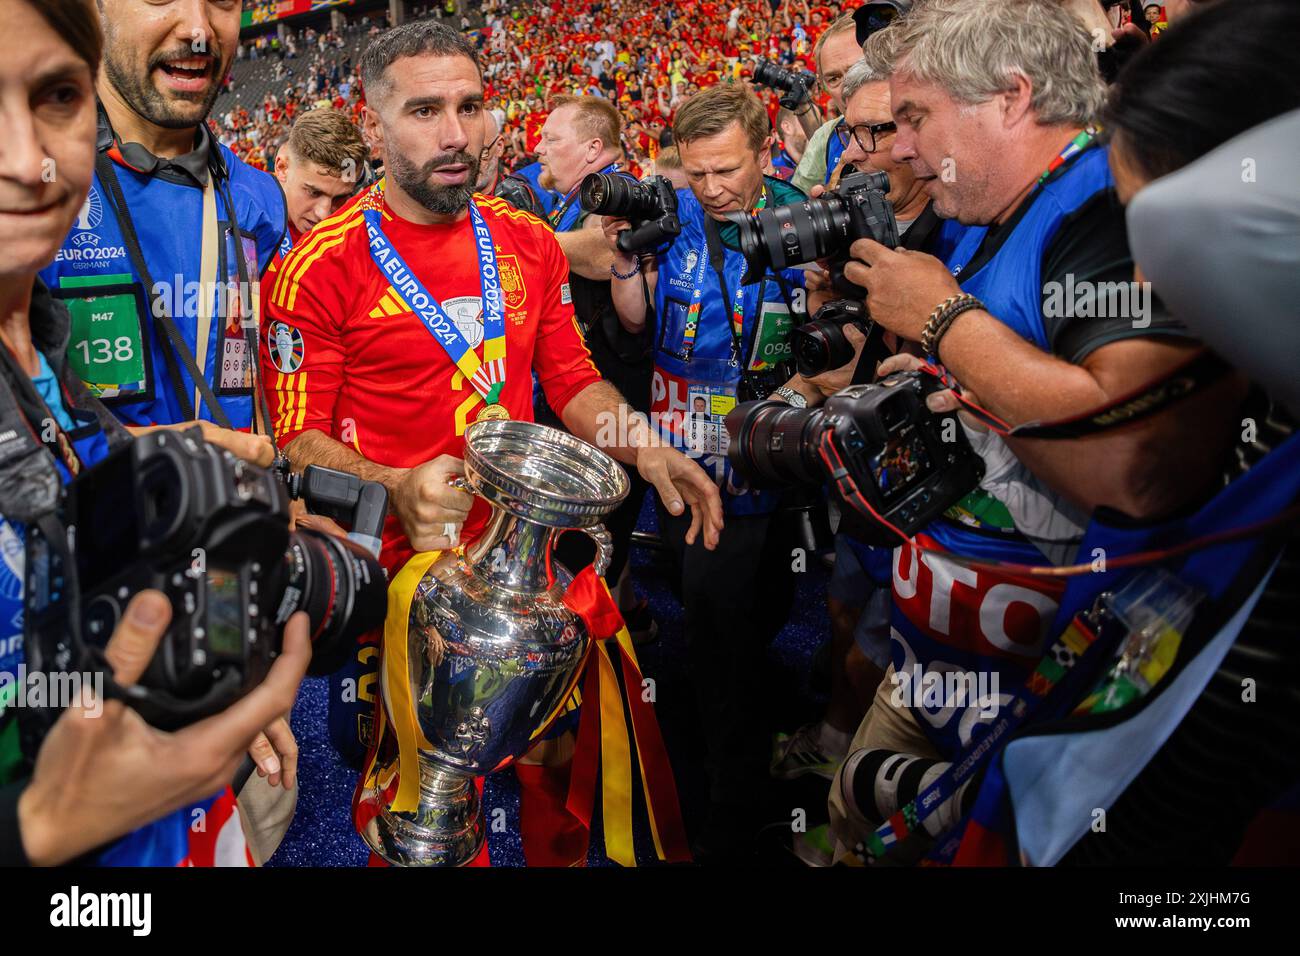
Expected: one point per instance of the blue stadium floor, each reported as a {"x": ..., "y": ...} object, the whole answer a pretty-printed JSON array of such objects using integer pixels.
[{"x": 322, "y": 832}]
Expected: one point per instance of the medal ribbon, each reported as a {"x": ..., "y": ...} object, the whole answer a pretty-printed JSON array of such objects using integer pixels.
[
  {"x": 487, "y": 375},
  {"x": 697, "y": 300}
]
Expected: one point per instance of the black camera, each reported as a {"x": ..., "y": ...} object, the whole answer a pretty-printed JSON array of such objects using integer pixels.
[
  {"x": 651, "y": 207},
  {"x": 822, "y": 228},
  {"x": 797, "y": 87},
  {"x": 820, "y": 344},
  {"x": 892, "y": 459},
  {"x": 172, "y": 512}
]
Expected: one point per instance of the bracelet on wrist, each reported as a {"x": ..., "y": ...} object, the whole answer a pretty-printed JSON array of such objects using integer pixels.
[
  {"x": 636, "y": 267},
  {"x": 942, "y": 317}
]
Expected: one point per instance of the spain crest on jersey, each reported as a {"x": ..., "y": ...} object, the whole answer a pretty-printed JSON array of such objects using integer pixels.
[{"x": 512, "y": 281}]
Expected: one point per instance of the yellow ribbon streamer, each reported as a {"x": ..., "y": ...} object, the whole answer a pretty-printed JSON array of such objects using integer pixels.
[
  {"x": 615, "y": 766},
  {"x": 398, "y": 682}
]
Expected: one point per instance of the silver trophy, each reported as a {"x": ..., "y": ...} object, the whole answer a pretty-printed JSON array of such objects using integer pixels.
[{"x": 492, "y": 649}]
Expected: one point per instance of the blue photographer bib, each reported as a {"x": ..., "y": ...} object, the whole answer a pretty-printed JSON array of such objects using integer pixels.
[
  {"x": 117, "y": 346},
  {"x": 699, "y": 360},
  {"x": 834, "y": 151},
  {"x": 948, "y": 617}
]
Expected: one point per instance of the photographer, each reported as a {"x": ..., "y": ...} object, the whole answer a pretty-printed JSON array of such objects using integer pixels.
[
  {"x": 94, "y": 780},
  {"x": 858, "y": 596},
  {"x": 581, "y": 137},
  {"x": 173, "y": 235},
  {"x": 837, "y": 49},
  {"x": 1004, "y": 145},
  {"x": 712, "y": 330},
  {"x": 793, "y": 140}
]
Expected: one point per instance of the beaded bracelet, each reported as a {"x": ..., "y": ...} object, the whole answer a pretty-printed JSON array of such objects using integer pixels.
[{"x": 636, "y": 267}]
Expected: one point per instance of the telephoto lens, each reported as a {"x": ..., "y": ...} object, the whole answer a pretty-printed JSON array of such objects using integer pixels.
[
  {"x": 604, "y": 194},
  {"x": 783, "y": 236},
  {"x": 342, "y": 588},
  {"x": 772, "y": 443}
]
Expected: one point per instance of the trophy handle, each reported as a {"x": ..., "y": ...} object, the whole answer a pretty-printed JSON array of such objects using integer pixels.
[{"x": 604, "y": 547}]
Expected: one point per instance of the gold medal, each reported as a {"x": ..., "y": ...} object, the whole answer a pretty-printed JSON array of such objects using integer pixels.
[{"x": 493, "y": 413}]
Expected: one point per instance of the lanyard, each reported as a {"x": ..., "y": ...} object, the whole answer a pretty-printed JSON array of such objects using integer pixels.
[
  {"x": 488, "y": 375},
  {"x": 697, "y": 301},
  {"x": 1078, "y": 640},
  {"x": 34, "y": 410},
  {"x": 104, "y": 166},
  {"x": 557, "y": 215},
  {"x": 1077, "y": 145}
]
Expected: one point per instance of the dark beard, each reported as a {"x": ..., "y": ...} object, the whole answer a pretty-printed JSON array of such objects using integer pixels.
[
  {"x": 144, "y": 98},
  {"x": 443, "y": 200}
]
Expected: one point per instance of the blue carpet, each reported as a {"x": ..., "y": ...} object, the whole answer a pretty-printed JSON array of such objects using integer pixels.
[{"x": 322, "y": 832}]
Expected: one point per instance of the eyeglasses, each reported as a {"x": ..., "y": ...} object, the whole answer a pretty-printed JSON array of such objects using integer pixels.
[{"x": 865, "y": 134}]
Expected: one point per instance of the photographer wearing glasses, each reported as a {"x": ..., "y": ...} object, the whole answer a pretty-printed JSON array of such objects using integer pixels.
[
  {"x": 719, "y": 340},
  {"x": 858, "y": 595}
]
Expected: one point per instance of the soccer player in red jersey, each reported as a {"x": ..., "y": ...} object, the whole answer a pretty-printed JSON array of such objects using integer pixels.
[
  {"x": 421, "y": 306},
  {"x": 319, "y": 168}
]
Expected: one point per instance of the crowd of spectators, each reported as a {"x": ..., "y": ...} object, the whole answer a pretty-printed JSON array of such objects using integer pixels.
[{"x": 643, "y": 56}]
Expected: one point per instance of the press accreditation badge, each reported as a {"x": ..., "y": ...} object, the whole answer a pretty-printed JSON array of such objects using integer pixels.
[
  {"x": 235, "y": 305},
  {"x": 106, "y": 347},
  {"x": 772, "y": 340}
]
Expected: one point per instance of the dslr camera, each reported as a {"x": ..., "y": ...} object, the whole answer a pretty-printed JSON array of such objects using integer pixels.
[
  {"x": 795, "y": 88},
  {"x": 822, "y": 228},
  {"x": 651, "y": 207},
  {"x": 896, "y": 463},
  {"x": 211, "y": 531},
  {"x": 820, "y": 344}
]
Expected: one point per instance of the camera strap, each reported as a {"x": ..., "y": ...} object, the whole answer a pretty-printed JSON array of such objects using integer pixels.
[
  {"x": 38, "y": 417},
  {"x": 1197, "y": 373},
  {"x": 158, "y": 304},
  {"x": 717, "y": 258},
  {"x": 251, "y": 322}
]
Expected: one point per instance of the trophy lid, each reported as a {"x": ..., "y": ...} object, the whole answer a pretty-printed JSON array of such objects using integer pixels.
[{"x": 542, "y": 474}]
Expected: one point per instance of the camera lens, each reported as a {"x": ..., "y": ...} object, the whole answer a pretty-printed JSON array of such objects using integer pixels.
[
  {"x": 819, "y": 347},
  {"x": 606, "y": 195},
  {"x": 773, "y": 443},
  {"x": 341, "y": 587},
  {"x": 789, "y": 235}
]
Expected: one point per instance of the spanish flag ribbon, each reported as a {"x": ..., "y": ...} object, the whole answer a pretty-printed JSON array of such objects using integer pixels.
[
  {"x": 603, "y": 748},
  {"x": 603, "y": 738}
]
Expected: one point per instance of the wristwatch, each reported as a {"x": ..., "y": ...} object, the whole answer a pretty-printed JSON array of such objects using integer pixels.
[{"x": 790, "y": 396}]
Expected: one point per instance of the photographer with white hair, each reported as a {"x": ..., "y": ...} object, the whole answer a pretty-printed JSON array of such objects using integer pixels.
[{"x": 1036, "y": 314}]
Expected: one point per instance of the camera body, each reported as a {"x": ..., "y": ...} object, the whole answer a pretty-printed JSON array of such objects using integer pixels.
[
  {"x": 797, "y": 88},
  {"x": 211, "y": 531},
  {"x": 820, "y": 345},
  {"x": 822, "y": 228},
  {"x": 908, "y": 464},
  {"x": 651, "y": 207}
]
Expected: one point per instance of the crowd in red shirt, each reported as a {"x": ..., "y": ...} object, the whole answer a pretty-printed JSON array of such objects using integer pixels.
[{"x": 643, "y": 55}]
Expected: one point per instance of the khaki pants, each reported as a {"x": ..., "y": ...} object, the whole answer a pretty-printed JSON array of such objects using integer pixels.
[
  {"x": 265, "y": 813},
  {"x": 886, "y": 727}
]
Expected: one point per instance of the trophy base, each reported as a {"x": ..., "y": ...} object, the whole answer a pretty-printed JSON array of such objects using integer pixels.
[{"x": 446, "y": 829}]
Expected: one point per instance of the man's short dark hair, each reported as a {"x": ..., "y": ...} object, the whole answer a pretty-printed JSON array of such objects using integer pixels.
[{"x": 417, "y": 38}]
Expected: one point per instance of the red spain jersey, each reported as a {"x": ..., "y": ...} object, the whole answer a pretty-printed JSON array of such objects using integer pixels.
[{"x": 343, "y": 354}]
